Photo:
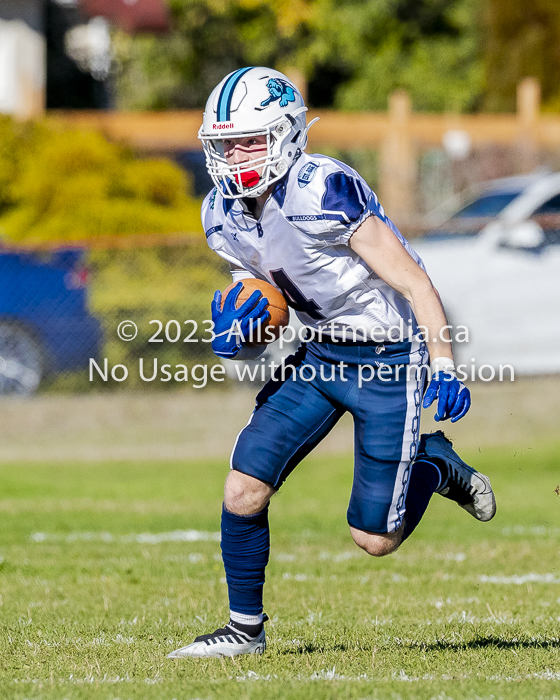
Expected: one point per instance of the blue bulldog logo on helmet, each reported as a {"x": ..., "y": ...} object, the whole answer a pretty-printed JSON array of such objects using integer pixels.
[{"x": 279, "y": 90}]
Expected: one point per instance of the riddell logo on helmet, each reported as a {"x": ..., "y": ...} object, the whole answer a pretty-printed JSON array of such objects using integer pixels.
[{"x": 223, "y": 125}]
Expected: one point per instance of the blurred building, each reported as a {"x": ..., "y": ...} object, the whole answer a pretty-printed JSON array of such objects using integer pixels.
[
  {"x": 57, "y": 53},
  {"x": 22, "y": 57}
]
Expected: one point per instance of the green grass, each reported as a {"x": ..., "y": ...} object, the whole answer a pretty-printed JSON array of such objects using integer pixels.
[{"x": 89, "y": 610}]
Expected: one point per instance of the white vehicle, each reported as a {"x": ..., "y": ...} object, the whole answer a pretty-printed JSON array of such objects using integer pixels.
[{"x": 496, "y": 265}]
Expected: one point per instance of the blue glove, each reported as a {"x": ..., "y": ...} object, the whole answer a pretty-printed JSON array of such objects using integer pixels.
[
  {"x": 453, "y": 397},
  {"x": 232, "y": 327}
]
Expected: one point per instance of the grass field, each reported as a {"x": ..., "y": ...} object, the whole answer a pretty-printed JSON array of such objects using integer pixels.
[
  {"x": 149, "y": 425},
  {"x": 106, "y": 567}
]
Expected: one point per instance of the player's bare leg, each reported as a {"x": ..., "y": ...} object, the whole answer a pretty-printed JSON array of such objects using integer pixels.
[
  {"x": 378, "y": 545},
  {"x": 245, "y": 495}
]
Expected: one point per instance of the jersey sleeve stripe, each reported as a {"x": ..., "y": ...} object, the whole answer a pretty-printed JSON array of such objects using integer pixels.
[{"x": 342, "y": 195}]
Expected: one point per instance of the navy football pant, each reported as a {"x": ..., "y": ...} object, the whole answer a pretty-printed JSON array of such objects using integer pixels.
[{"x": 380, "y": 386}]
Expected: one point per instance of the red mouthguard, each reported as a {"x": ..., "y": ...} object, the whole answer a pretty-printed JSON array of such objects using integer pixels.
[{"x": 248, "y": 179}]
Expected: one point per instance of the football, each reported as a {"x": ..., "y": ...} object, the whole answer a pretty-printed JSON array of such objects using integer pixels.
[{"x": 277, "y": 308}]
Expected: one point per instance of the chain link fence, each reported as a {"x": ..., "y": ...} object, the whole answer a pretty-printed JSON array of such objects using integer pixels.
[{"x": 64, "y": 314}]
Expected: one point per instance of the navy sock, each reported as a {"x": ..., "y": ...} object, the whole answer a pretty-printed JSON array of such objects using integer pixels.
[
  {"x": 245, "y": 550},
  {"x": 424, "y": 480}
]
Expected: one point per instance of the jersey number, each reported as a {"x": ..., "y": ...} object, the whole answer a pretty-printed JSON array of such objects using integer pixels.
[{"x": 294, "y": 296}]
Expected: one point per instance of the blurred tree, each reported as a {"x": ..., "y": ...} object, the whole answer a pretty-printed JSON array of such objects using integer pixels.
[
  {"x": 59, "y": 184},
  {"x": 13, "y": 138},
  {"x": 521, "y": 40},
  {"x": 428, "y": 47},
  {"x": 354, "y": 52},
  {"x": 209, "y": 39}
]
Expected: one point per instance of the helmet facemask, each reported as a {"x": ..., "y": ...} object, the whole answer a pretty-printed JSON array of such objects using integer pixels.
[{"x": 285, "y": 139}]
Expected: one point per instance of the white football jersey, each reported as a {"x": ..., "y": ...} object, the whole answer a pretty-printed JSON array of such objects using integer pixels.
[{"x": 300, "y": 245}]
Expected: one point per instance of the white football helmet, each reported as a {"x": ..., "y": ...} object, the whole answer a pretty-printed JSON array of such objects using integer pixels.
[{"x": 253, "y": 102}]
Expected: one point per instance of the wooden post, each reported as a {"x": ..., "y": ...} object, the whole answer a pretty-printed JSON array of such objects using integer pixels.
[
  {"x": 398, "y": 163},
  {"x": 528, "y": 112},
  {"x": 298, "y": 79}
]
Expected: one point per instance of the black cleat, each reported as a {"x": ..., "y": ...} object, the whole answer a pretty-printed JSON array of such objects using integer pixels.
[{"x": 460, "y": 483}]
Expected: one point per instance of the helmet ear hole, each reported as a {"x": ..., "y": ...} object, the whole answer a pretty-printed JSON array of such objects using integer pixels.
[
  {"x": 296, "y": 137},
  {"x": 282, "y": 128}
]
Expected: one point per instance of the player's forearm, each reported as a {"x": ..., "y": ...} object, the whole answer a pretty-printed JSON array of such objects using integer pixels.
[
  {"x": 430, "y": 315},
  {"x": 377, "y": 245}
]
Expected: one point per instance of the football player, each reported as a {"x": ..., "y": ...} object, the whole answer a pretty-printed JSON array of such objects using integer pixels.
[{"x": 311, "y": 226}]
